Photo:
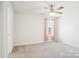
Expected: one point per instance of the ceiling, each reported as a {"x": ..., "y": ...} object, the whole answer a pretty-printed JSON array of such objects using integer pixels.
[{"x": 37, "y": 7}]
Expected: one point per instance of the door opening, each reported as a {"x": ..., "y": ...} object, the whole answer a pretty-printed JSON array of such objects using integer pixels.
[{"x": 49, "y": 29}]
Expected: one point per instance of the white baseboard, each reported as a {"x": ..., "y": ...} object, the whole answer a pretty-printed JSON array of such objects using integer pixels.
[{"x": 28, "y": 44}]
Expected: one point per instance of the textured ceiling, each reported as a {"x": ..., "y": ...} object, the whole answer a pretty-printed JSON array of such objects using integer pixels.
[{"x": 36, "y": 7}]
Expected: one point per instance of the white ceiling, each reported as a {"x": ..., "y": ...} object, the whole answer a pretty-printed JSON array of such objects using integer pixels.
[{"x": 37, "y": 6}]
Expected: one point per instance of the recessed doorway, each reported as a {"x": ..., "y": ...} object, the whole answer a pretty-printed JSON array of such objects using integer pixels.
[{"x": 49, "y": 29}]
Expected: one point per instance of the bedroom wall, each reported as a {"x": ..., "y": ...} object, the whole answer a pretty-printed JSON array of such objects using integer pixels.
[
  {"x": 68, "y": 25},
  {"x": 28, "y": 29}
]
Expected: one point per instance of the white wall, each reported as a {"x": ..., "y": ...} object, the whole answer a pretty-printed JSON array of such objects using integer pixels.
[
  {"x": 68, "y": 25},
  {"x": 7, "y": 31},
  {"x": 28, "y": 29}
]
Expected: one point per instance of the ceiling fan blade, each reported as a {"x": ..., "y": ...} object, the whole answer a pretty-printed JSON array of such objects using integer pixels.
[
  {"x": 58, "y": 12},
  {"x": 60, "y": 8}
]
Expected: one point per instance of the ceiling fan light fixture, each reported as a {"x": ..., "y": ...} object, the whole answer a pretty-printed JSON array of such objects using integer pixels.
[{"x": 52, "y": 14}]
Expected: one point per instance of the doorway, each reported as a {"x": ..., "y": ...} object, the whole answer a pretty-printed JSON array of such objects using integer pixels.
[{"x": 49, "y": 29}]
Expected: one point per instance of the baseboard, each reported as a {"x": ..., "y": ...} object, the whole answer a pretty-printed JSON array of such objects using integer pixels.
[{"x": 29, "y": 43}]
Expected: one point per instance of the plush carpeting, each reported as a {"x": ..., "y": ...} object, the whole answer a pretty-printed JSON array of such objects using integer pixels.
[{"x": 45, "y": 50}]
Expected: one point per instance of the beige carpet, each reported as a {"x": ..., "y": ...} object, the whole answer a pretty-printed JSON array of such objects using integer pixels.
[{"x": 45, "y": 50}]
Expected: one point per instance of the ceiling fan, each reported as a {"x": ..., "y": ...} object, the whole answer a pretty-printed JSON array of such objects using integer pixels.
[{"x": 53, "y": 9}]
